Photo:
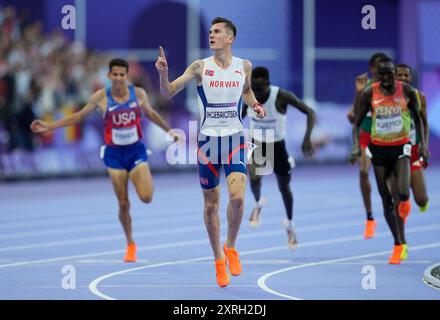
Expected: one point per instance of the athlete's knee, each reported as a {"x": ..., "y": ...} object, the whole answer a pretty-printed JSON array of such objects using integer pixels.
[
  {"x": 124, "y": 206},
  {"x": 255, "y": 182},
  {"x": 211, "y": 208},
  {"x": 403, "y": 195},
  {"x": 146, "y": 197},
  {"x": 363, "y": 174},
  {"x": 237, "y": 200}
]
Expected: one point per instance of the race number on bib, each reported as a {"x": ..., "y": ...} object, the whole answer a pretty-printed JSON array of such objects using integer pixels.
[
  {"x": 389, "y": 125},
  {"x": 124, "y": 136}
]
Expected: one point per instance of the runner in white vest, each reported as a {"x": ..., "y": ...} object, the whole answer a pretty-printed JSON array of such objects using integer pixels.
[
  {"x": 223, "y": 83},
  {"x": 268, "y": 135}
]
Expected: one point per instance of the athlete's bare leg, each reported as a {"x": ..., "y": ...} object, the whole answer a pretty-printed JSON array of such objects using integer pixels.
[
  {"x": 142, "y": 180},
  {"x": 212, "y": 221},
  {"x": 236, "y": 189},
  {"x": 119, "y": 180},
  {"x": 364, "y": 166},
  {"x": 392, "y": 186},
  {"x": 382, "y": 174},
  {"x": 418, "y": 187}
]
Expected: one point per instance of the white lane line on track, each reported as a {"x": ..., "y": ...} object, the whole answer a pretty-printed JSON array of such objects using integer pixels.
[
  {"x": 249, "y": 235},
  {"x": 112, "y": 224},
  {"x": 262, "y": 280},
  {"x": 194, "y": 242},
  {"x": 93, "y": 286}
]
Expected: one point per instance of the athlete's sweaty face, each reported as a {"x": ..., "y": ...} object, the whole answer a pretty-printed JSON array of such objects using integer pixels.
[
  {"x": 118, "y": 76},
  {"x": 260, "y": 87},
  {"x": 220, "y": 36},
  {"x": 386, "y": 74},
  {"x": 404, "y": 75}
]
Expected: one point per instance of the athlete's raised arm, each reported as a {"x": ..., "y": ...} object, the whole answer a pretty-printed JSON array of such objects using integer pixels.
[{"x": 169, "y": 89}]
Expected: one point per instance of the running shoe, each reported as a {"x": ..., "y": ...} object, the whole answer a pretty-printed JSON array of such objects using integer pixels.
[
  {"x": 395, "y": 257},
  {"x": 255, "y": 218},
  {"x": 404, "y": 255},
  {"x": 130, "y": 255},
  {"x": 233, "y": 260},
  {"x": 292, "y": 241},
  {"x": 370, "y": 227},
  {"x": 425, "y": 207},
  {"x": 221, "y": 274}
]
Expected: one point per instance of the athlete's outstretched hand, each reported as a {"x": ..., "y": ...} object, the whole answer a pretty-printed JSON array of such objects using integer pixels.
[
  {"x": 39, "y": 126},
  {"x": 161, "y": 63},
  {"x": 361, "y": 82},
  {"x": 259, "y": 110},
  {"x": 307, "y": 148},
  {"x": 350, "y": 116}
]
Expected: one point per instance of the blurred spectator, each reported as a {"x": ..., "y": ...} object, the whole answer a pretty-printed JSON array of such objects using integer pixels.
[{"x": 44, "y": 75}]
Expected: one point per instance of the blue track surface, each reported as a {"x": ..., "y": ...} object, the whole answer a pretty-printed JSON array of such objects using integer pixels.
[{"x": 45, "y": 226}]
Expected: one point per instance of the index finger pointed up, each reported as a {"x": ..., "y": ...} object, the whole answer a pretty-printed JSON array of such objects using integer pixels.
[{"x": 161, "y": 52}]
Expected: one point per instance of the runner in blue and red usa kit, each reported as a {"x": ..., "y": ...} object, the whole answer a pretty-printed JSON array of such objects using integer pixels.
[
  {"x": 124, "y": 153},
  {"x": 122, "y": 133}
]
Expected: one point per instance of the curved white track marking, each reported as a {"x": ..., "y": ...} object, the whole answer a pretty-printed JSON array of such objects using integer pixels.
[
  {"x": 93, "y": 286},
  {"x": 262, "y": 280}
]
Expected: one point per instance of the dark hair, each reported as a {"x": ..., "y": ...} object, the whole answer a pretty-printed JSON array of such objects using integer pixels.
[
  {"x": 260, "y": 72},
  {"x": 117, "y": 62},
  {"x": 403, "y": 65},
  {"x": 228, "y": 23},
  {"x": 385, "y": 59},
  {"x": 375, "y": 57}
]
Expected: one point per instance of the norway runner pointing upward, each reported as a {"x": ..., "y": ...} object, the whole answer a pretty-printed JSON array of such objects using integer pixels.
[{"x": 223, "y": 84}]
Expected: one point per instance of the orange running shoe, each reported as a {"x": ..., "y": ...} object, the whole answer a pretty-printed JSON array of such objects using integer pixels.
[
  {"x": 369, "y": 229},
  {"x": 220, "y": 272},
  {"x": 404, "y": 208},
  {"x": 233, "y": 260},
  {"x": 396, "y": 256},
  {"x": 130, "y": 255}
]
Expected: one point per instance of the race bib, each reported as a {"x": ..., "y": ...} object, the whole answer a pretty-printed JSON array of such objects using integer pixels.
[
  {"x": 124, "y": 136},
  {"x": 407, "y": 150},
  {"x": 387, "y": 125},
  {"x": 221, "y": 113}
]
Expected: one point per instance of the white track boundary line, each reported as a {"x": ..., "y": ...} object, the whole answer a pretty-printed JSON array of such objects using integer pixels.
[
  {"x": 93, "y": 286},
  {"x": 262, "y": 280},
  {"x": 249, "y": 235}
]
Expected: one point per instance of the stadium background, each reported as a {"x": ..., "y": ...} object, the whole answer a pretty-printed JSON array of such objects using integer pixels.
[{"x": 314, "y": 48}]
